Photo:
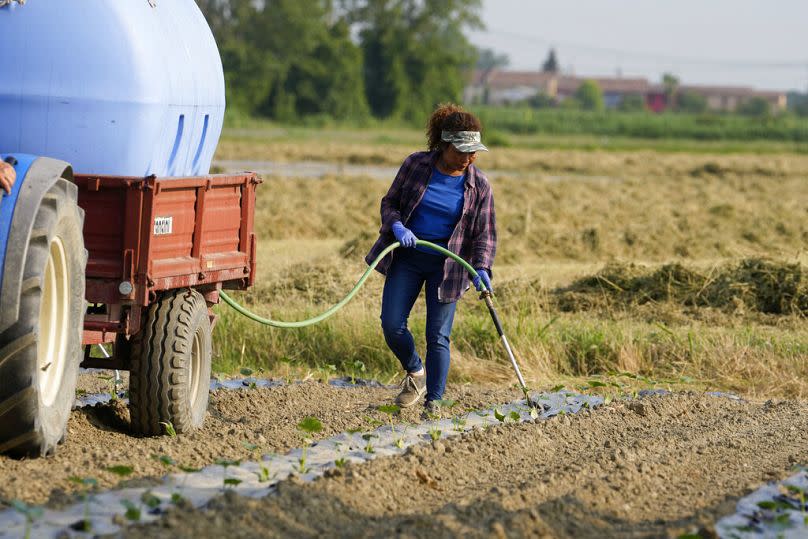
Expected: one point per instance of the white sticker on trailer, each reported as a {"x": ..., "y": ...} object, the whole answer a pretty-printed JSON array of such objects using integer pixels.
[{"x": 163, "y": 225}]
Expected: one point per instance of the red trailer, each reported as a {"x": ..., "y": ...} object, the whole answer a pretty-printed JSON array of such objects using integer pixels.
[{"x": 159, "y": 251}]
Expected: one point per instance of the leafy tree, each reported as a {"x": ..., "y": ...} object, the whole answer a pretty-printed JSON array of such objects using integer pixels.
[
  {"x": 287, "y": 59},
  {"x": 488, "y": 59},
  {"x": 671, "y": 84},
  {"x": 632, "y": 103},
  {"x": 415, "y": 52},
  {"x": 798, "y": 103},
  {"x": 589, "y": 95},
  {"x": 689, "y": 101},
  {"x": 550, "y": 65},
  {"x": 755, "y": 106}
]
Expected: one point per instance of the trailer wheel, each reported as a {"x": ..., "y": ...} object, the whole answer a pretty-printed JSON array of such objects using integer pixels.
[
  {"x": 170, "y": 375},
  {"x": 41, "y": 351}
]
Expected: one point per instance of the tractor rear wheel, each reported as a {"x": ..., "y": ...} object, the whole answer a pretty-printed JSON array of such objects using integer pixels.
[
  {"x": 40, "y": 352},
  {"x": 169, "y": 380}
]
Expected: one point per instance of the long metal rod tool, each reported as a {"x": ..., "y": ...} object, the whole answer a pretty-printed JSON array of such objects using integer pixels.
[{"x": 486, "y": 296}]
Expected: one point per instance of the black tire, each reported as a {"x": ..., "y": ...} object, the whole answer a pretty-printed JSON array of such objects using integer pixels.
[
  {"x": 40, "y": 352},
  {"x": 169, "y": 380}
]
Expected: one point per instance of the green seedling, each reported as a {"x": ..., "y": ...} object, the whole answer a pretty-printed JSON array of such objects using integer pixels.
[
  {"x": 799, "y": 493},
  {"x": 499, "y": 415},
  {"x": 369, "y": 446},
  {"x": 357, "y": 367},
  {"x": 132, "y": 511},
  {"x": 169, "y": 428},
  {"x": 373, "y": 422},
  {"x": 80, "y": 392},
  {"x": 246, "y": 371},
  {"x": 165, "y": 460},
  {"x": 390, "y": 410},
  {"x": 399, "y": 443},
  {"x": 287, "y": 361},
  {"x": 326, "y": 373},
  {"x": 225, "y": 463},
  {"x": 86, "y": 483},
  {"x": 121, "y": 470},
  {"x": 263, "y": 470},
  {"x": 231, "y": 482},
  {"x": 434, "y": 433},
  {"x": 557, "y": 388},
  {"x": 514, "y": 415},
  {"x": 177, "y": 498},
  {"x": 309, "y": 425},
  {"x": 340, "y": 462},
  {"x": 263, "y": 473},
  {"x": 458, "y": 423},
  {"x": 113, "y": 385},
  {"x": 150, "y": 500},
  {"x": 31, "y": 514},
  {"x": 353, "y": 430}
]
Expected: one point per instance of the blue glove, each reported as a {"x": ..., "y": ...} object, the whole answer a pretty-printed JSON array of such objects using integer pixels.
[
  {"x": 486, "y": 280},
  {"x": 404, "y": 235}
]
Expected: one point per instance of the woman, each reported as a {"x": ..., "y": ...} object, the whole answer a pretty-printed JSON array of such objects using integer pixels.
[{"x": 438, "y": 196}]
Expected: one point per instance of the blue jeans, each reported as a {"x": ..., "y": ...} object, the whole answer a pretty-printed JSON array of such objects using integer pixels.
[{"x": 405, "y": 278}]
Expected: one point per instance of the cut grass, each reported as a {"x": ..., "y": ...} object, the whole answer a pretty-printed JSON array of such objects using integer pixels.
[
  {"x": 696, "y": 221},
  {"x": 385, "y": 135}
]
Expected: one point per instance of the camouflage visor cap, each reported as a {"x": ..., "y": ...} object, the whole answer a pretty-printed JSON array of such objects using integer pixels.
[{"x": 464, "y": 141}]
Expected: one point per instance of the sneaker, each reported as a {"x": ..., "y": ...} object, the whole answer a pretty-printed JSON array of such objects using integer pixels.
[{"x": 412, "y": 389}]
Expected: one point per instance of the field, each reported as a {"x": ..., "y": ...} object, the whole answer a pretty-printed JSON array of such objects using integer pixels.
[
  {"x": 635, "y": 276},
  {"x": 685, "y": 268}
]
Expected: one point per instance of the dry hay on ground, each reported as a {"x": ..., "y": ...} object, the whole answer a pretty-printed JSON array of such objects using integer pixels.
[{"x": 752, "y": 285}]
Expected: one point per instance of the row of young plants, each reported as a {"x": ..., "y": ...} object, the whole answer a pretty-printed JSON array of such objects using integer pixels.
[{"x": 308, "y": 428}]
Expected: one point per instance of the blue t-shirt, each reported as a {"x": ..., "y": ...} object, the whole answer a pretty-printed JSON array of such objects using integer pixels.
[{"x": 435, "y": 218}]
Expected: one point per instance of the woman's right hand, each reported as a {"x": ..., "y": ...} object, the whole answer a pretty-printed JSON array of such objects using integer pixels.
[{"x": 404, "y": 235}]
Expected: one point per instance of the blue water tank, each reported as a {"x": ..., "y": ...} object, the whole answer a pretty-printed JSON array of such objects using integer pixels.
[{"x": 122, "y": 87}]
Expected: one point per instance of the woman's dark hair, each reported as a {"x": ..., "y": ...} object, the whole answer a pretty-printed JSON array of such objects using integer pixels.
[{"x": 448, "y": 117}]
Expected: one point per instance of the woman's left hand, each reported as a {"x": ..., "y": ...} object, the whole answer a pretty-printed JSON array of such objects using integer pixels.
[
  {"x": 483, "y": 278},
  {"x": 7, "y": 176}
]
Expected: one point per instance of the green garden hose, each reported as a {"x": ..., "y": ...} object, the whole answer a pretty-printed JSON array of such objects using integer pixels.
[
  {"x": 346, "y": 299},
  {"x": 486, "y": 295}
]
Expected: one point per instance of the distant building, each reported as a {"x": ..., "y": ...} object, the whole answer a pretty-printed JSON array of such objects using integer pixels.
[
  {"x": 502, "y": 87},
  {"x": 727, "y": 98}
]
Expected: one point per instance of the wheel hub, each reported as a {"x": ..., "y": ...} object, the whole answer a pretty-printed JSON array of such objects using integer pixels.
[{"x": 54, "y": 322}]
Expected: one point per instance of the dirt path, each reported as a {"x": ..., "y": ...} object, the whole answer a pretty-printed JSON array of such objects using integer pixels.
[
  {"x": 658, "y": 467},
  {"x": 268, "y": 418}
]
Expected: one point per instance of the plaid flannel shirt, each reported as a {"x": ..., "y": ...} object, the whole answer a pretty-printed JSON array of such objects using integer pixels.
[{"x": 474, "y": 238}]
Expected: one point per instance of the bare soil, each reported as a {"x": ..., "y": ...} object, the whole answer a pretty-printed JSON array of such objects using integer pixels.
[
  {"x": 98, "y": 436},
  {"x": 656, "y": 467}
]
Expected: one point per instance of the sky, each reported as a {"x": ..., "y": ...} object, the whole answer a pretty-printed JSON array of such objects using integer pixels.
[{"x": 719, "y": 42}]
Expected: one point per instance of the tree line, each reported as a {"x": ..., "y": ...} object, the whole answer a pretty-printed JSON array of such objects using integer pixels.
[{"x": 343, "y": 59}]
